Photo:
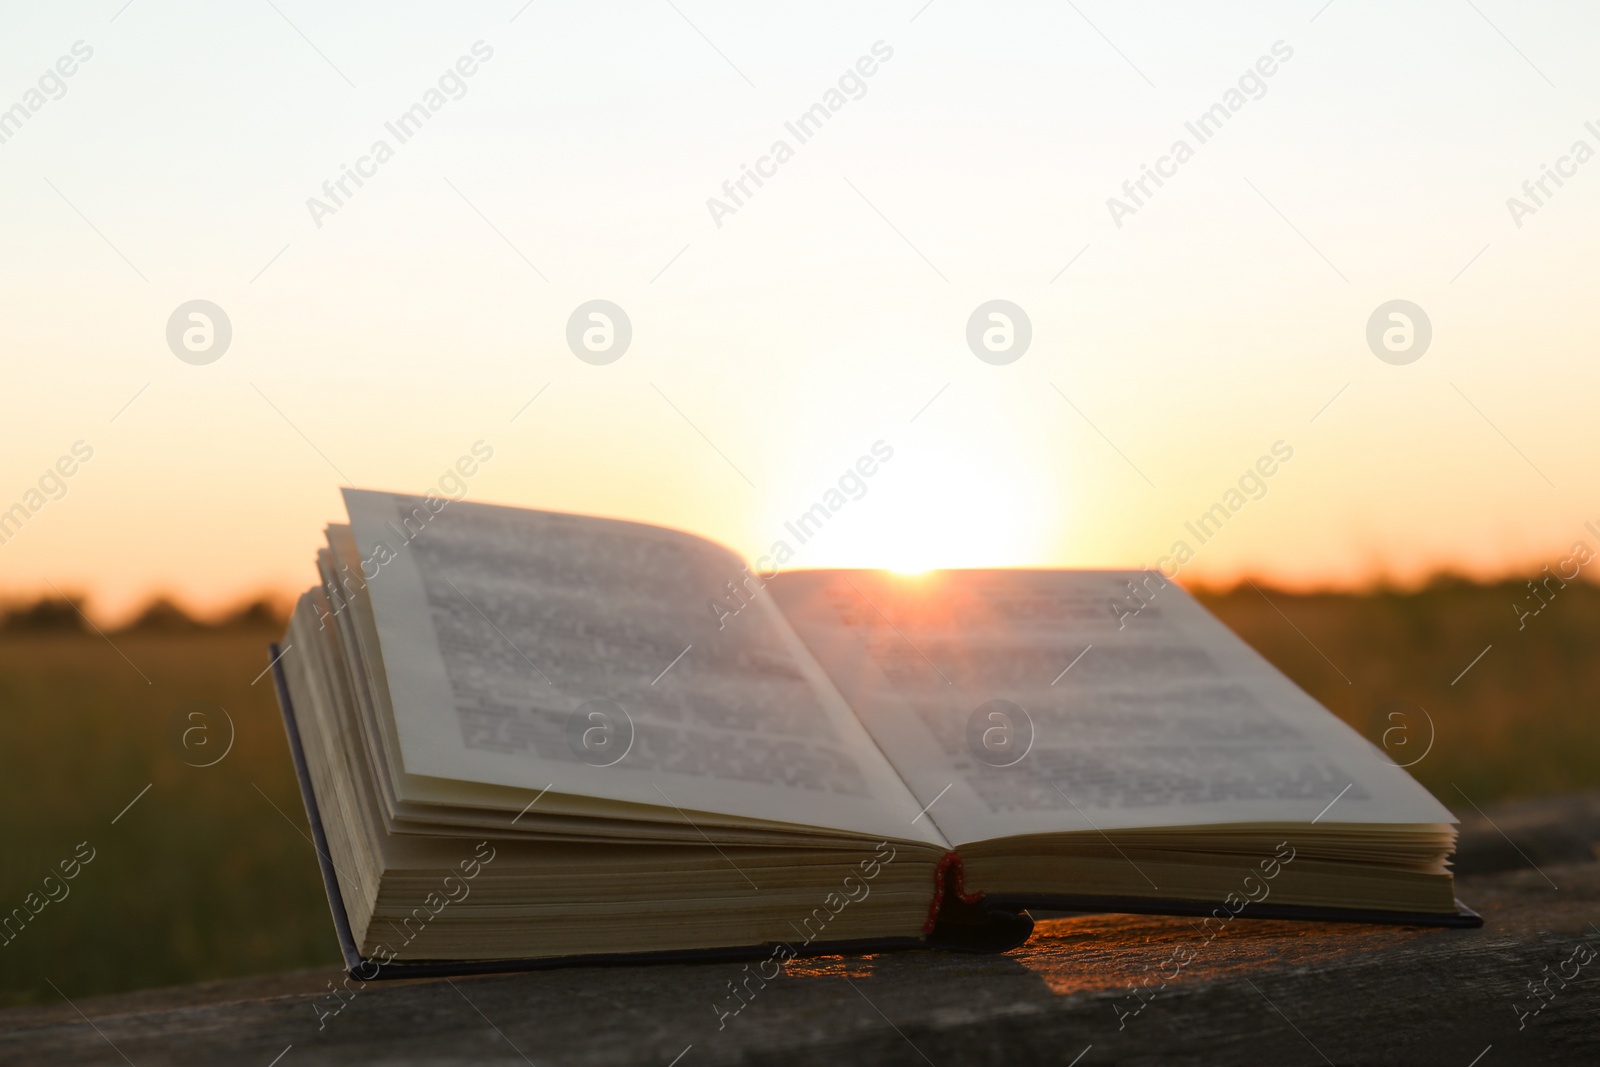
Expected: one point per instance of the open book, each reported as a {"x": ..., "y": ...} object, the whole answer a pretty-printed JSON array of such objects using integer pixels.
[{"x": 527, "y": 736}]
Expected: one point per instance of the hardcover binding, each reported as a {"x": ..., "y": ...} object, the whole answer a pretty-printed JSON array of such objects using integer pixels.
[
  {"x": 958, "y": 921},
  {"x": 1462, "y": 917}
]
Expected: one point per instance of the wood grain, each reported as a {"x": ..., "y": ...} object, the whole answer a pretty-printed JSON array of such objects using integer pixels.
[{"x": 1261, "y": 993}]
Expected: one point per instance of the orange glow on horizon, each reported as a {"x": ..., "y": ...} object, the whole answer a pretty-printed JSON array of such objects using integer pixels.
[{"x": 810, "y": 349}]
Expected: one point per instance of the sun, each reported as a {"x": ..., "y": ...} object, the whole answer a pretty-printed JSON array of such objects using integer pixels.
[{"x": 940, "y": 506}]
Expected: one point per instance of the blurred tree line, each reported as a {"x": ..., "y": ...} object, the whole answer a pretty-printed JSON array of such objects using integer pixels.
[{"x": 65, "y": 614}]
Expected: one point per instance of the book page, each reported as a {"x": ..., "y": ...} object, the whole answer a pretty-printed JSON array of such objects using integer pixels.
[
  {"x": 533, "y": 649},
  {"x": 1019, "y": 702}
]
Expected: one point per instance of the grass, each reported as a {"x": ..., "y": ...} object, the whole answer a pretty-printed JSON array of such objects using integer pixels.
[
  {"x": 1521, "y": 722},
  {"x": 208, "y": 875},
  {"x": 201, "y": 877}
]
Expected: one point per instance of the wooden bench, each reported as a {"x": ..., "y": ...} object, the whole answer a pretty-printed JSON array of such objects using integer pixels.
[{"x": 1261, "y": 993}]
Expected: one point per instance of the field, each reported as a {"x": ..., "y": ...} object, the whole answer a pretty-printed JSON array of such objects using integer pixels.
[
  {"x": 208, "y": 874},
  {"x": 1523, "y": 721},
  {"x": 201, "y": 877}
]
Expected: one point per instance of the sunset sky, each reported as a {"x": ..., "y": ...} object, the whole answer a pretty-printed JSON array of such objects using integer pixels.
[{"x": 377, "y": 338}]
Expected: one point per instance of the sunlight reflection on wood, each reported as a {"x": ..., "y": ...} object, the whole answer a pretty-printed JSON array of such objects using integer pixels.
[
  {"x": 830, "y": 967},
  {"x": 1093, "y": 953}
]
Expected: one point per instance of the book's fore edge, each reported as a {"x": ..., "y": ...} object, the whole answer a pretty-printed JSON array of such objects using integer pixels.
[
  {"x": 952, "y": 930},
  {"x": 319, "y": 839}
]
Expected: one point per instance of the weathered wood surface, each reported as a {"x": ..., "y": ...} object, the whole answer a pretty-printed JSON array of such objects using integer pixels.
[{"x": 1260, "y": 993}]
